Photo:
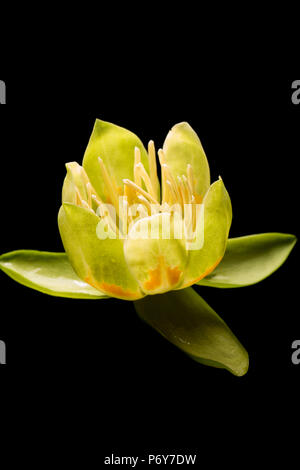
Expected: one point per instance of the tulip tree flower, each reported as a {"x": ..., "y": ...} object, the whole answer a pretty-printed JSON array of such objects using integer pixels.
[{"x": 127, "y": 236}]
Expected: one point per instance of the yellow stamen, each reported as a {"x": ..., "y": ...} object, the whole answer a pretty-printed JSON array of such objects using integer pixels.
[
  {"x": 140, "y": 190},
  {"x": 124, "y": 215},
  {"x": 130, "y": 194},
  {"x": 164, "y": 177},
  {"x": 165, "y": 189},
  {"x": 78, "y": 196},
  {"x": 94, "y": 197},
  {"x": 81, "y": 202},
  {"x": 190, "y": 178},
  {"x": 85, "y": 176},
  {"x": 187, "y": 188},
  {"x": 111, "y": 186},
  {"x": 180, "y": 189},
  {"x": 153, "y": 166},
  {"x": 171, "y": 196},
  {"x": 145, "y": 177},
  {"x": 137, "y": 160},
  {"x": 183, "y": 191},
  {"x": 161, "y": 157},
  {"x": 169, "y": 176},
  {"x": 89, "y": 193},
  {"x": 86, "y": 206},
  {"x": 145, "y": 202},
  {"x": 104, "y": 212}
]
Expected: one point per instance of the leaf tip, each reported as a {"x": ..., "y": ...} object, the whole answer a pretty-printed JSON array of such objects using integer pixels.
[{"x": 241, "y": 369}]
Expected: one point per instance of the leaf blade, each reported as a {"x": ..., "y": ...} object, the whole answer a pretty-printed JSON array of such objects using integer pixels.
[
  {"x": 49, "y": 273},
  {"x": 250, "y": 259},
  {"x": 188, "y": 322}
]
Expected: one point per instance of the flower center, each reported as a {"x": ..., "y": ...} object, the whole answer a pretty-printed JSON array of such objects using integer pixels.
[{"x": 178, "y": 194}]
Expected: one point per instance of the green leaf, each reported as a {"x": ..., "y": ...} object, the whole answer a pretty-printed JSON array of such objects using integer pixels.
[
  {"x": 50, "y": 273},
  {"x": 115, "y": 145},
  {"x": 248, "y": 260},
  {"x": 188, "y": 322},
  {"x": 99, "y": 262},
  {"x": 182, "y": 147}
]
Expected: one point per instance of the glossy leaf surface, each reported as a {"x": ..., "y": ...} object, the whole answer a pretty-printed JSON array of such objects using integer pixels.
[
  {"x": 250, "y": 259},
  {"x": 50, "y": 273},
  {"x": 187, "y": 321}
]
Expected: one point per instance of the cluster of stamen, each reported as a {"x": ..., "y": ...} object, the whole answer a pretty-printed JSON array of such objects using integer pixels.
[{"x": 177, "y": 193}]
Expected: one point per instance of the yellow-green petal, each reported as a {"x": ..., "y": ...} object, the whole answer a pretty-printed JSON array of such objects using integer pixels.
[
  {"x": 157, "y": 263},
  {"x": 100, "y": 263},
  {"x": 50, "y": 273},
  {"x": 76, "y": 179},
  {"x": 115, "y": 146},
  {"x": 182, "y": 147},
  {"x": 216, "y": 225},
  {"x": 188, "y": 322}
]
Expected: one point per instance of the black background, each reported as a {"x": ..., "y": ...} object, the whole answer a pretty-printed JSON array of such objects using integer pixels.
[{"x": 91, "y": 369}]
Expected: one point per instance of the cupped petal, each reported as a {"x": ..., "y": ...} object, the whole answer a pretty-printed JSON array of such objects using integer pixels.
[
  {"x": 250, "y": 259},
  {"x": 75, "y": 183},
  {"x": 99, "y": 262},
  {"x": 50, "y": 273},
  {"x": 115, "y": 146},
  {"x": 212, "y": 231},
  {"x": 182, "y": 147},
  {"x": 156, "y": 259},
  {"x": 188, "y": 322}
]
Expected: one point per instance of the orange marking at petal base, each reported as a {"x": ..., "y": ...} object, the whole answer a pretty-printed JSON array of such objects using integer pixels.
[
  {"x": 173, "y": 275},
  {"x": 155, "y": 278},
  {"x": 112, "y": 289},
  {"x": 156, "y": 275},
  {"x": 206, "y": 273},
  {"x": 118, "y": 290}
]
